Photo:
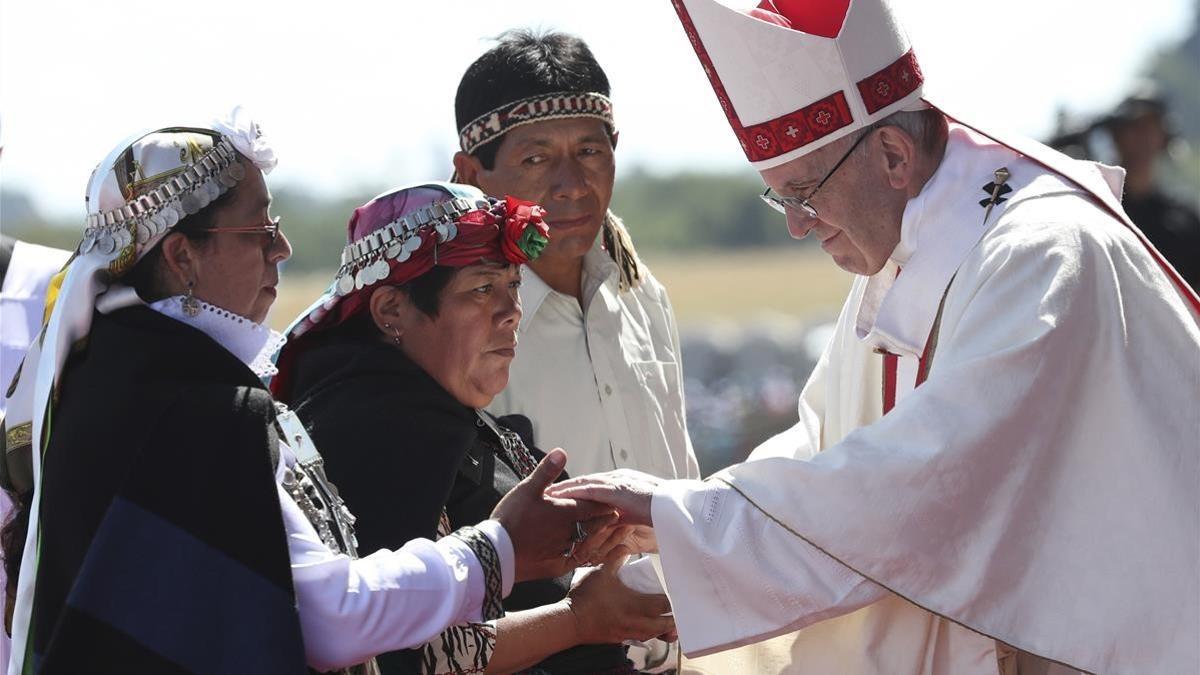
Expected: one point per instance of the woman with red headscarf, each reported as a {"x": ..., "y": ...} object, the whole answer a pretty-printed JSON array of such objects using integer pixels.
[{"x": 390, "y": 371}]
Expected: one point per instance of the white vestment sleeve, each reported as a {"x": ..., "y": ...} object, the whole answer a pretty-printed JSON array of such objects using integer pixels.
[
  {"x": 704, "y": 530},
  {"x": 351, "y": 610}
]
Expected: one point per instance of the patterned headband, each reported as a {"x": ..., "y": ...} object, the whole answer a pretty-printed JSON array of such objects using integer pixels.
[{"x": 564, "y": 104}]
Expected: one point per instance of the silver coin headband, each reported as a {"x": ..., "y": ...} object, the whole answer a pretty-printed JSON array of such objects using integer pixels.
[
  {"x": 146, "y": 218},
  {"x": 364, "y": 262}
]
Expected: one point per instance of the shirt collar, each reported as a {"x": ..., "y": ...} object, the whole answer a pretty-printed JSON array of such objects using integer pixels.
[
  {"x": 598, "y": 269},
  {"x": 939, "y": 228},
  {"x": 251, "y": 343}
]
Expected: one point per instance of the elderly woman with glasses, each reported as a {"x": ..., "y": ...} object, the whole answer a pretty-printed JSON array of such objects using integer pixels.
[
  {"x": 390, "y": 372},
  {"x": 177, "y": 520}
]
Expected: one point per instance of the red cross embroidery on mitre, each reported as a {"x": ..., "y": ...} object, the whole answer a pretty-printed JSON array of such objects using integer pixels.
[
  {"x": 815, "y": 18},
  {"x": 790, "y": 131}
]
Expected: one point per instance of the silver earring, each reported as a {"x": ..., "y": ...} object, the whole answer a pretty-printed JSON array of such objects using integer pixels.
[
  {"x": 191, "y": 306},
  {"x": 395, "y": 332}
]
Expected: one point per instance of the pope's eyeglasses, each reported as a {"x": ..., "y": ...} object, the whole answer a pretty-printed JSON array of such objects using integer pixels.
[{"x": 782, "y": 204}]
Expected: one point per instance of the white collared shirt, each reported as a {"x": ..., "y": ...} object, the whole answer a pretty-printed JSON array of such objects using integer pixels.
[{"x": 602, "y": 381}]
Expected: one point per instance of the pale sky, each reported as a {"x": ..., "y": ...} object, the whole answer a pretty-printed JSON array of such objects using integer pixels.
[{"x": 359, "y": 95}]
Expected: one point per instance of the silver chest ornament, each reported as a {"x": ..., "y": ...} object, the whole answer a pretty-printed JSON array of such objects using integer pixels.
[{"x": 308, "y": 486}]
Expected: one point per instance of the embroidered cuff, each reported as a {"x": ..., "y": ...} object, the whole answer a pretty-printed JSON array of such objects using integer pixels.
[
  {"x": 508, "y": 557},
  {"x": 489, "y": 561}
]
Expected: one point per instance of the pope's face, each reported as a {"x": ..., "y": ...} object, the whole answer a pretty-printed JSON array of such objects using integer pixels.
[
  {"x": 567, "y": 166},
  {"x": 858, "y": 212}
]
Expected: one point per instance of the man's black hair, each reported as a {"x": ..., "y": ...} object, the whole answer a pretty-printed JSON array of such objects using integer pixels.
[{"x": 524, "y": 63}]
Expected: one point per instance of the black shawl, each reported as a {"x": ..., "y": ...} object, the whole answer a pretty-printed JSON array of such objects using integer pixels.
[
  {"x": 163, "y": 548},
  {"x": 400, "y": 448}
]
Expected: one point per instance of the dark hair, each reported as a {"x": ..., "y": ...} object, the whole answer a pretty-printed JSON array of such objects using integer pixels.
[
  {"x": 425, "y": 292},
  {"x": 146, "y": 277},
  {"x": 524, "y": 63}
]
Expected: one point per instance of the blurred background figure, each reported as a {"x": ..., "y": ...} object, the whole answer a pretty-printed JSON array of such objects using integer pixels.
[{"x": 1141, "y": 132}]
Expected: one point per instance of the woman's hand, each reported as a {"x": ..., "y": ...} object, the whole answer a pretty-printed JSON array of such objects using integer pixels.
[
  {"x": 608, "y": 612},
  {"x": 543, "y": 529},
  {"x": 635, "y": 538}
]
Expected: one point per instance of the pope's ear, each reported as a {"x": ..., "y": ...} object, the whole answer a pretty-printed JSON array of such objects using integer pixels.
[
  {"x": 898, "y": 152},
  {"x": 467, "y": 168}
]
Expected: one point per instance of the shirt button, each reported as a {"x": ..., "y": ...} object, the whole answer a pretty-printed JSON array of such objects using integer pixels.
[
  {"x": 624, "y": 454},
  {"x": 608, "y": 389}
]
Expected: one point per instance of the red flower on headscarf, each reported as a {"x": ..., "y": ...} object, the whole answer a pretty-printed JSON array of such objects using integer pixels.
[{"x": 525, "y": 233}]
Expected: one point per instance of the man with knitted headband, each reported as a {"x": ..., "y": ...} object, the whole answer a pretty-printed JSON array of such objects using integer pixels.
[
  {"x": 173, "y": 522},
  {"x": 994, "y": 468},
  {"x": 535, "y": 121}
]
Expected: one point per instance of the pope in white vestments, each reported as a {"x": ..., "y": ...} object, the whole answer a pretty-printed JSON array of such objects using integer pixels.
[{"x": 995, "y": 467}]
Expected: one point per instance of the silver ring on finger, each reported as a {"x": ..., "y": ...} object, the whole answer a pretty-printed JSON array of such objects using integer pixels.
[
  {"x": 580, "y": 533},
  {"x": 570, "y": 551}
]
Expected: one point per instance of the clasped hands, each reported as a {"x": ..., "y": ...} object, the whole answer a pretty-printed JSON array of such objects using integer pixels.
[
  {"x": 588, "y": 518},
  {"x": 554, "y": 528}
]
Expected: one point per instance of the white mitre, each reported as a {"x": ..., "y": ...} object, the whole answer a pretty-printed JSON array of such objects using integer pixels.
[{"x": 795, "y": 76}]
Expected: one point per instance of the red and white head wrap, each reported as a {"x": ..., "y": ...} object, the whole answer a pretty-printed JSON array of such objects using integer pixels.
[{"x": 402, "y": 234}]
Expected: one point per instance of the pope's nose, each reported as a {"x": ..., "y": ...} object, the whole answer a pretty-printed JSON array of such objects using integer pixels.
[{"x": 799, "y": 225}]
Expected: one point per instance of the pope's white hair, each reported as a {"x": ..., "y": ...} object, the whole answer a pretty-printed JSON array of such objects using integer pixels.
[{"x": 927, "y": 128}]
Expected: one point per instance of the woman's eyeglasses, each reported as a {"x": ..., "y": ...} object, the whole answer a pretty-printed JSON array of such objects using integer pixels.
[{"x": 270, "y": 229}]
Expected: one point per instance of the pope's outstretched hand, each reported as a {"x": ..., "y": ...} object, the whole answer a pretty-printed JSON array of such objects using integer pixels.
[
  {"x": 629, "y": 492},
  {"x": 544, "y": 529}
]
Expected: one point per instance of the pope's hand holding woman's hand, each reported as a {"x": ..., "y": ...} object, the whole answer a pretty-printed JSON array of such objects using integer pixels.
[
  {"x": 629, "y": 492},
  {"x": 545, "y": 530}
]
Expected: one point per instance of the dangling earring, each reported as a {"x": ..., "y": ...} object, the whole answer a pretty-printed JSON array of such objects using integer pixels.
[
  {"x": 191, "y": 306},
  {"x": 395, "y": 332}
]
